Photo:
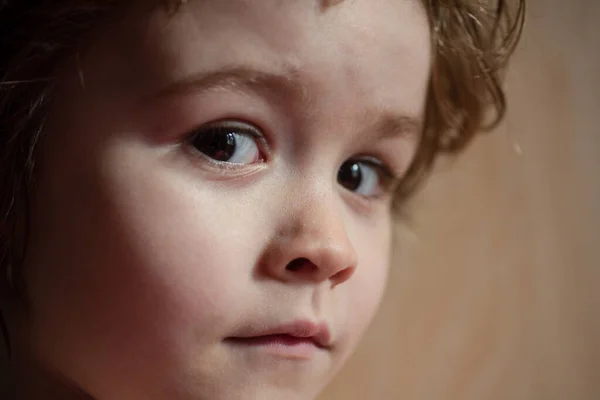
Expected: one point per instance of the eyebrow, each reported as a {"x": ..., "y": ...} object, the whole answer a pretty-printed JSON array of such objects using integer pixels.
[
  {"x": 239, "y": 78},
  {"x": 390, "y": 125},
  {"x": 286, "y": 87}
]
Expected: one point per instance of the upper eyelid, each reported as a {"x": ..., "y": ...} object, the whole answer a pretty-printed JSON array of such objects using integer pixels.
[
  {"x": 286, "y": 88},
  {"x": 248, "y": 128},
  {"x": 257, "y": 132},
  {"x": 391, "y": 180},
  {"x": 225, "y": 123},
  {"x": 244, "y": 127},
  {"x": 379, "y": 162},
  {"x": 287, "y": 91}
]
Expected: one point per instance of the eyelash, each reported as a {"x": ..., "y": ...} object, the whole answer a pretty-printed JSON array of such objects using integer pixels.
[
  {"x": 386, "y": 171},
  {"x": 388, "y": 177},
  {"x": 389, "y": 180},
  {"x": 223, "y": 126}
]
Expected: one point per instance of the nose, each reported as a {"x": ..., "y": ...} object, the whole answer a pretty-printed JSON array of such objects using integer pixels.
[{"x": 311, "y": 245}]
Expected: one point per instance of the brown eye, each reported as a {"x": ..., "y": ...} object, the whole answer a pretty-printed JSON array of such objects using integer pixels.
[
  {"x": 360, "y": 177},
  {"x": 234, "y": 144},
  {"x": 350, "y": 175}
]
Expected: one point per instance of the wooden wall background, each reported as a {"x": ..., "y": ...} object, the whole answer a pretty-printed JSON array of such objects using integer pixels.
[{"x": 496, "y": 290}]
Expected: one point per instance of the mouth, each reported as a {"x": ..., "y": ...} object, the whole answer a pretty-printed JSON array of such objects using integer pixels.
[{"x": 298, "y": 340}]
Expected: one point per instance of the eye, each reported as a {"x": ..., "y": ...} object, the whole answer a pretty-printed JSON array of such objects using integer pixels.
[
  {"x": 229, "y": 142},
  {"x": 364, "y": 177}
]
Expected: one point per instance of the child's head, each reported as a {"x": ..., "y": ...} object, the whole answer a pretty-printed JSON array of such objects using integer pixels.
[{"x": 190, "y": 189}]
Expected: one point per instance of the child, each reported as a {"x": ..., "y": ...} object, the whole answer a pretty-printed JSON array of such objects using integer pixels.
[{"x": 198, "y": 197}]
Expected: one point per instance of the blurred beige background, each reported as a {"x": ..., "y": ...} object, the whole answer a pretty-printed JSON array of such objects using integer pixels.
[{"x": 495, "y": 293}]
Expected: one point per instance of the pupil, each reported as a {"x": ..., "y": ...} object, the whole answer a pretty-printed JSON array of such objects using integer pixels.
[
  {"x": 350, "y": 175},
  {"x": 217, "y": 145}
]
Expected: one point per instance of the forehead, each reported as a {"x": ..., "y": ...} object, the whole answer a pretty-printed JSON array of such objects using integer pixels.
[
  {"x": 376, "y": 51},
  {"x": 384, "y": 39}
]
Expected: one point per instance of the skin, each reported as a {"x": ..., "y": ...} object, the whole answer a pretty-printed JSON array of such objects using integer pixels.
[{"x": 145, "y": 255}]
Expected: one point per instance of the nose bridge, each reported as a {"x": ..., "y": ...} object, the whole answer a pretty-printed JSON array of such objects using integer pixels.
[
  {"x": 318, "y": 218},
  {"x": 312, "y": 210}
]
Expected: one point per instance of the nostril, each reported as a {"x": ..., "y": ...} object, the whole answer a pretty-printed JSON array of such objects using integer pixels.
[
  {"x": 342, "y": 276},
  {"x": 297, "y": 264}
]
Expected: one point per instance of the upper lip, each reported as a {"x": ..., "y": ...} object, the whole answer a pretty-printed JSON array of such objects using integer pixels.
[{"x": 319, "y": 333}]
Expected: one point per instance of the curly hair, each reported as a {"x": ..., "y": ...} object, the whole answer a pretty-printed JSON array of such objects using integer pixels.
[{"x": 472, "y": 42}]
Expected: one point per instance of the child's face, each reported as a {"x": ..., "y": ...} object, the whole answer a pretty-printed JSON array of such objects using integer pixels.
[{"x": 153, "y": 252}]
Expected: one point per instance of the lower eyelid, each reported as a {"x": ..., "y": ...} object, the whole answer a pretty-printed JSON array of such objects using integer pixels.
[{"x": 218, "y": 169}]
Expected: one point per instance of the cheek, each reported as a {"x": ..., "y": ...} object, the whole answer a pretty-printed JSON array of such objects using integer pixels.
[
  {"x": 150, "y": 259},
  {"x": 179, "y": 238},
  {"x": 141, "y": 263},
  {"x": 368, "y": 284}
]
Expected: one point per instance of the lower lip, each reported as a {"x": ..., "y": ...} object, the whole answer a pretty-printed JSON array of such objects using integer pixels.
[{"x": 280, "y": 345}]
